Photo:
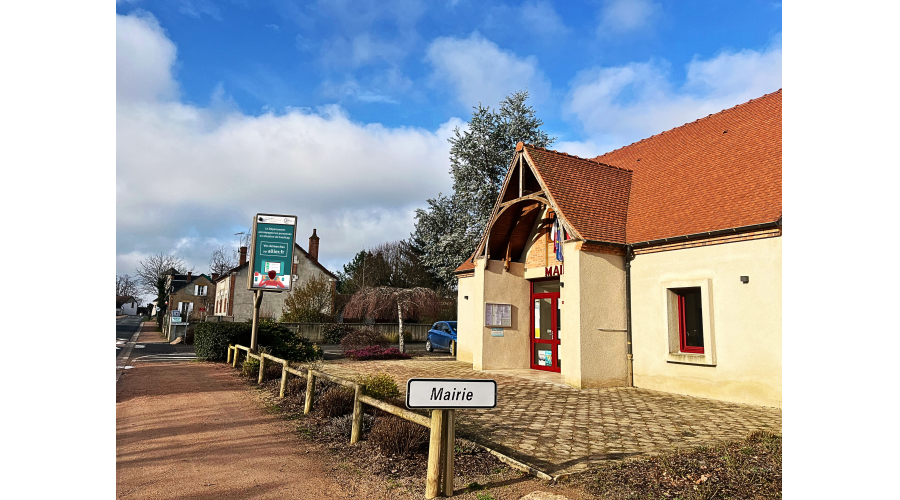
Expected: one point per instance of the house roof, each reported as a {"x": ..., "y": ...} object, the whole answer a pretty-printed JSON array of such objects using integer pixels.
[
  {"x": 592, "y": 196},
  {"x": 722, "y": 171},
  {"x": 719, "y": 172},
  {"x": 296, "y": 245},
  {"x": 193, "y": 279},
  {"x": 123, "y": 299}
]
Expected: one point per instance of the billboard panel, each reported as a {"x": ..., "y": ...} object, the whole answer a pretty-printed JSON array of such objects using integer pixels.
[{"x": 272, "y": 255}]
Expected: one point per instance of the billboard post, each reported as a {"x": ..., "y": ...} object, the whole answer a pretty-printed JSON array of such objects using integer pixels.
[{"x": 271, "y": 260}]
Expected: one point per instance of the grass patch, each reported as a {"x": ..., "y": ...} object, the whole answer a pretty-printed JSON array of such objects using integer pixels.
[{"x": 750, "y": 468}]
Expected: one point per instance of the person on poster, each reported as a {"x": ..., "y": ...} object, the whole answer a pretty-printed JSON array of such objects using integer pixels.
[{"x": 271, "y": 282}]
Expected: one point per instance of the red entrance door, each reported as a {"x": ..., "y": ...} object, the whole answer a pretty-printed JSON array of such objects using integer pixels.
[{"x": 545, "y": 331}]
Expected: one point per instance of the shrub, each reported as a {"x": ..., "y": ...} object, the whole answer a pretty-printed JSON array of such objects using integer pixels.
[
  {"x": 380, "y": 386},
  {"x": 250, "y": 368},
  {"x": 332, "y": 333},
  {"x": 189, "y": 335},
  {"x": 335, "y": 402},
  {"x": 343, "y": 426},
  {"x": 376, "y": 352},
  {"x": 362, "y": 338},
  {"x": 395, "y": 436},
  {"x": 394, "y": 338},
  {"x": 211, "y": 340}
]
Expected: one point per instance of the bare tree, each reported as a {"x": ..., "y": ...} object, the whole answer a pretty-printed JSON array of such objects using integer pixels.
[
  {"x": 393, "y": 302},
  {"x": 127, "y": 286},
  {"x": 151, "y": 272},
  {"x": 222, "y": 261}
]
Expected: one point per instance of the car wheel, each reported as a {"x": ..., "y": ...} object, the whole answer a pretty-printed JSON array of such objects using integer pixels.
[
  {"x": 452, "y": 348},
  {"x": 428, "y": 346}
]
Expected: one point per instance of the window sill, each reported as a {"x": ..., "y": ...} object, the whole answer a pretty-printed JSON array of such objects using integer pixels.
[{"x": 687, "y": 358}]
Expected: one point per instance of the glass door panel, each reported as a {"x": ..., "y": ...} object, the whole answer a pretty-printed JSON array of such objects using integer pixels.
[{"x": 545, "y": 331}]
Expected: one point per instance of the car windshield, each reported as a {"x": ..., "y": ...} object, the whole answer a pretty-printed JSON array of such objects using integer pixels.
[{"x": 452, "y": 324}]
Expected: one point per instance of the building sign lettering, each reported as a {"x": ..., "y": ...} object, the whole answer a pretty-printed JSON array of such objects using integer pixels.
[{"x": 554, "y": 270}]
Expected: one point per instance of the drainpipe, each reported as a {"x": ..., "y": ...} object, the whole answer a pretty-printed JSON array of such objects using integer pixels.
[{"x": 629, "y": 256}]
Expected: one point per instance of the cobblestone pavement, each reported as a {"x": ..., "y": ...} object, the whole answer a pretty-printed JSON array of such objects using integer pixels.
[{"x": 560, "y": 429}]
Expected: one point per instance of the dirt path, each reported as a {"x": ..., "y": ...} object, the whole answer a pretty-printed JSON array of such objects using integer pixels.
[{"x": 193, "y": 431}]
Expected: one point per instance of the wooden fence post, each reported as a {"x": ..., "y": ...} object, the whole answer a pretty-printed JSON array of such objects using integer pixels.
[
  {"x": 235, "y": 358},
  {"x": 262, "y": 367},
  {"x": 449, "y": 450},
  {"x": 435, "y": 445},
  {"x": 356, "y": 430},
  {"x": 310, "y": 389},
  {"x": 230, "y": 347},
  {"x": 284, "y": 375}
]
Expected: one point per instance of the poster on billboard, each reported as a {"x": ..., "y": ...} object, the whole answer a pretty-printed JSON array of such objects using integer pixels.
[{"x": 273, "y": 252}]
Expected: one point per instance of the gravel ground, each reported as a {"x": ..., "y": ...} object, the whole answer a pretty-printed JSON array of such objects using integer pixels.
[{"x": 193, "y": 430}]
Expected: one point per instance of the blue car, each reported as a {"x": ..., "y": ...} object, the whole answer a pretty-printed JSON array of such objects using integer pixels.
[{"x": 442, "y": 336}]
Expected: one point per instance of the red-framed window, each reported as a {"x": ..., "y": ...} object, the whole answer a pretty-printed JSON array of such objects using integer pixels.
[{"x": 690, "y": 320}]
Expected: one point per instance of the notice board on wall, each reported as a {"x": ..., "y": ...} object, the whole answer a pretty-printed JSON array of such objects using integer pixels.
[{"x": 499, "y": 315}]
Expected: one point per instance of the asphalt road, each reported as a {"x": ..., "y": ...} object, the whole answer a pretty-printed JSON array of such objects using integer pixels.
[{"x": 125, "y": 329}]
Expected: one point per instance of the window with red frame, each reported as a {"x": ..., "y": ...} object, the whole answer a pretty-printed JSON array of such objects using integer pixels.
[{"x": 690, "y": 320}]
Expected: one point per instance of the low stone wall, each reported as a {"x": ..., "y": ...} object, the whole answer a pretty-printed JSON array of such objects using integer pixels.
[{"x": 313, "y": 331}]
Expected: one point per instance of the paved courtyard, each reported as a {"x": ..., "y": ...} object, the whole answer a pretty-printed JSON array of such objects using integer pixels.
[{"x": 559, "y": 429}]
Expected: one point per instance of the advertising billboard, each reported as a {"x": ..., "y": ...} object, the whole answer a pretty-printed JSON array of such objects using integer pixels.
[{"x": 272, "y": 255}]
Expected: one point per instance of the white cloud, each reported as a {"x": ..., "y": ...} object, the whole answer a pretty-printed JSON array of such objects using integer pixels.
[
  {"x": 144, "y": 59},
  {"x": 623, "y": 16},
  {"x": 188, "y": 177},
  {"x": 618, "y": 105},
  {"x": 477, "y": 70},
  {"x": 541, "y": 18}
]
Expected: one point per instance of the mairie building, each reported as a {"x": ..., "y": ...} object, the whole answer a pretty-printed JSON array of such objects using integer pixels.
[{"x": 657, "y": 265}]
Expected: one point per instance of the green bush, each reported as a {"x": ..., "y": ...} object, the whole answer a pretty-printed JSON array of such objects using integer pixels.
[
  {"x": 363, "y": 338},
  {"x": 332, "y": 333},
  {"x": 250, "y": 368},
  {"x": 380, "y": 386},
  {"x": 211, "y": 340}
]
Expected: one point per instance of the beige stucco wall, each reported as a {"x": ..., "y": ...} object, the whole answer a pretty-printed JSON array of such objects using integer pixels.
[
  {"x": 466, "y": 323},
  {"x": 592, "y": 347},
  {"x": 744, "y": 321},
  {"x": 502, "y": 287}
]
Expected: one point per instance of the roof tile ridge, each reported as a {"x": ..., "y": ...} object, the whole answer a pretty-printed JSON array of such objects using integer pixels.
[
  {"x": 689, "y": 123},
  {"x": 592, "y": 160}
]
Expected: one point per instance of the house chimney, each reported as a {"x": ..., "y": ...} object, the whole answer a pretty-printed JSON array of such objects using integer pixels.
[
  {"x": 243, "y": 256},
  {"x": 189, "y": 276},
  {"x": 314, "y": 246},
  {"x": 215, "y": 276}
]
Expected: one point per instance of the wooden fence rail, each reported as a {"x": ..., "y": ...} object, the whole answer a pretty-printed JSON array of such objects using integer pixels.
[{"x": 442, "y": 435}]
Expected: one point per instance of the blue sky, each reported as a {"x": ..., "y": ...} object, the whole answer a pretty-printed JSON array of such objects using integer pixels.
[{"x": 339, "y": 111}]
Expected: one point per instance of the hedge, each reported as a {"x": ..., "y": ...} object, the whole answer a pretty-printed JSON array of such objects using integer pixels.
[{"x": 211, "y": 341}]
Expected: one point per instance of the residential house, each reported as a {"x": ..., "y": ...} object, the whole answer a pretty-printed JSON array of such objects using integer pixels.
[
  {"x": 657, "y": 265},
  {"x": 193, "y": 296},
  {"x": 126, "y": 304},
  {"x": 234, "y": 301}
]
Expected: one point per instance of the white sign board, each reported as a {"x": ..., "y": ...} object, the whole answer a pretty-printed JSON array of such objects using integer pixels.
[{"x": 449, "y": 393}]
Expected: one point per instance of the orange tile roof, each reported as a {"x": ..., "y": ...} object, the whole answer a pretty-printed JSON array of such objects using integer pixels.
[
  {"x": 468, "y": 265},
  {"x": 719, "y": 172},
  {"x": 592, "y": 196}
]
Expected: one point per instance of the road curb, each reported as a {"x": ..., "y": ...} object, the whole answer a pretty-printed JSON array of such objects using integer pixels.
[{"x": 122, "y": 358}]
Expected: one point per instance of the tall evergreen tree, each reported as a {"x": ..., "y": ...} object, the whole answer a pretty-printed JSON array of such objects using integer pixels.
[{"x": 448, "y": 230}]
